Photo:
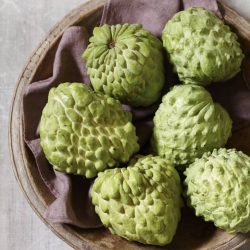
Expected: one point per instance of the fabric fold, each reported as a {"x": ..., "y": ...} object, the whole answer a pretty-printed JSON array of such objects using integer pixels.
[
  {"x": 152, "y": 14},
  {"x": 208, "y": 4},
  {"x": 68, "y": 67}
]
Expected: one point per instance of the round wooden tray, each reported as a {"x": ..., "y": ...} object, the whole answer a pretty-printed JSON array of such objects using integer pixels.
[{"x": 192, "y": 233}]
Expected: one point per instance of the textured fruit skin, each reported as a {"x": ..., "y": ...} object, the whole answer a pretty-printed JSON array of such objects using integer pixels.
[
  {"x": 83, "y": 132},
  {"x": 141, "y": 202},
  {"x": 201, "y": 47},
  {"x": 218, "y": 187},
  {"x": 188, "y": 123},
  {"x": 126, "y": 62}
]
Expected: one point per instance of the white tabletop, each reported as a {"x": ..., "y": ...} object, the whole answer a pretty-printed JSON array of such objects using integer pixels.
[{"x": 22, "y": 26}]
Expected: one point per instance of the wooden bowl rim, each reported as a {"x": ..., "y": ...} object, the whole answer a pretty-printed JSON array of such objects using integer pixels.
[{"x": 15, "y": 136}]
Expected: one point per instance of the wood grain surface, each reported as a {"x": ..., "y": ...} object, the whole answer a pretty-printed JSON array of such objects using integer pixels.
[{"x": 23, "y": 24}]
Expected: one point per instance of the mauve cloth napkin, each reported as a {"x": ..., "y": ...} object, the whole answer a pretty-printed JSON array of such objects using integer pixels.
[{"x": 72, "y": 204}]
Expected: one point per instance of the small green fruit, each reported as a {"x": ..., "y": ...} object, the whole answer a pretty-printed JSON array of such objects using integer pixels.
[
  {"x": 218, "y": 187},
  {"x": 201, "y": 47},
  {"x": 188, "y": 123},
  {"x": 83, "y": 132},
  {"x": 126, "y": 62},
  {"x": 141, "y": 202}
]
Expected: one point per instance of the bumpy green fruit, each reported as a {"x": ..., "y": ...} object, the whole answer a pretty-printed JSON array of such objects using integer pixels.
[
  {"x": 83, "y": 132},
  {"x": 126, "y": 62},
  {"x": 218, "y": 187},
  {"x": 141, "y": 202},
  {"x": 188, "y": 123},
  {"x": 201, "y": 47}
]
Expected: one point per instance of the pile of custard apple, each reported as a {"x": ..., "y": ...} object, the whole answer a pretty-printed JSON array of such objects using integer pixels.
[{"x": 87, "y": 132}]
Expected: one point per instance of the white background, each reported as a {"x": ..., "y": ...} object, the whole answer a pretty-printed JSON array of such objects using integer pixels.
[{"x": 23, "y": 23}]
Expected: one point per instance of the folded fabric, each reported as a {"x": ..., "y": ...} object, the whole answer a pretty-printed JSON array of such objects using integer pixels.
[
  {"x": 72, "y": 204},
  {"x": 152, "y": 14}
]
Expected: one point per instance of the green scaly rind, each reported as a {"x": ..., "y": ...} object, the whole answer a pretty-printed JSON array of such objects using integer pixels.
[
  {"x": 126, "y": 62},
  {"x": 83, "y": 132},
  {"x": 141, "y": 202},
  {"x": 188, "y": 123},
  {"x": 218, "y": 187},
  {"x": 201, "y": 47}
]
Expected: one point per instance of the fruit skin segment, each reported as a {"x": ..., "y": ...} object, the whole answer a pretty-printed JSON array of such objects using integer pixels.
[
  {"x": 141, "y": 202},
  {"x": 126, "y": 62},
  {"x": 218, "y": 187},
  {"x": 188, "y": 123},
  {"x": 201, "y": 48},
  {"x": 83, "y": 132}
]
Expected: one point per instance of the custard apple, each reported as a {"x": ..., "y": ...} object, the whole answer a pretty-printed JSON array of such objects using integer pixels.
[
  {"x": 141, "y": 202},
  {"x": 201, "y": 47},
  {"x": 83, "y": 132},
  {"x": 126, "y": 62},
  {"x": 188, "y": 123},
  {"x": 218, "y": 187}
]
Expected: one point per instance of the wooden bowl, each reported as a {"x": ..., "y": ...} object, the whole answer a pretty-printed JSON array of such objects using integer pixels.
[{"x": 192, "y": 232}]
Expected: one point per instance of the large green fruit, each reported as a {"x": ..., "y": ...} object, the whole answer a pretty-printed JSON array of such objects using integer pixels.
[
  {"x": 126, "y": 62},
  {"x": 218, "y": 187},
  {"x": 201, "y": 47},
  {"x": 141, "y": 202},
  {"x": 188, "y": 123},
  {"x": 83, "y": 132}
]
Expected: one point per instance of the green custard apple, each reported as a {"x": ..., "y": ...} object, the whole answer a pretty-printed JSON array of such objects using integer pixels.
[
  {"x": 201, "y": 47},
  {"x": 83, "y": 132},
  {"x": 126, "y": 62},
  {"x": 188, "y": 123},
  {"x": 141, "y": 202},
  {"x": 218, "y": 187}
]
